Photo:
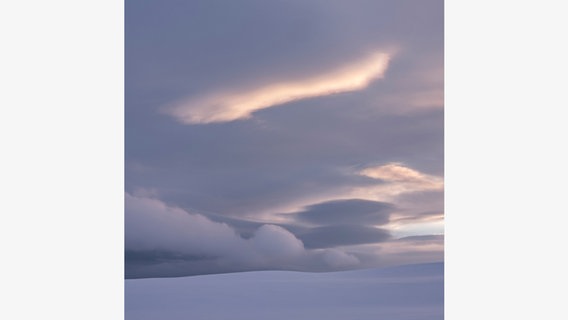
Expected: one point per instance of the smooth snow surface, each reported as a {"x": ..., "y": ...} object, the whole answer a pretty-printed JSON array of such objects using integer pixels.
[{"x": 412, "y": 292}]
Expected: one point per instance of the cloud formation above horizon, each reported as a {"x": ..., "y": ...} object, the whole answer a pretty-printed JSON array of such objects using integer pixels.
[
  {"x": 240, "y": 104},
  {"x": 170, "y": 241},
  {"x": 340, "y": 156}
]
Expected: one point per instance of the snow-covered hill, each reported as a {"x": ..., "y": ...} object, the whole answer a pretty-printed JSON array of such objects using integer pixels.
[{"x": 412, "y": 292}]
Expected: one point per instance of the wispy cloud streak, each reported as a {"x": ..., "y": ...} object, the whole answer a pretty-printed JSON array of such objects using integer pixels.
[
  {"x": 240, "y": 104},
  {"x": 401, "y": 179}
]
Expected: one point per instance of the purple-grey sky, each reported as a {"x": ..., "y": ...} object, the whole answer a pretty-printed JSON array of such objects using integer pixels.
[{"x": 287, "y": 135}]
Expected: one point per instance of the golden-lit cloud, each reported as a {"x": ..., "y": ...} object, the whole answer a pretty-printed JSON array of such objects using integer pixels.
[
  {"x": 240, "y": 104},
  {"x": 394, "y": 182},
  {"x": 400, "y": 179}
]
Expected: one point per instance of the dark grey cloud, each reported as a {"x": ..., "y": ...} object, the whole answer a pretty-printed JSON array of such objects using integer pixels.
[
  {"x": 342, "y": 235},
  {"x": 351, "y": 211}
]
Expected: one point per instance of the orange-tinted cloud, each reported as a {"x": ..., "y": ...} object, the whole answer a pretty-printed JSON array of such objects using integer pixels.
[{"x": 240, "y": 104}]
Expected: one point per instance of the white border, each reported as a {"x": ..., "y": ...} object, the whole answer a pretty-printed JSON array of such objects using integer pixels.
[
  {"x": 62, "y": 169},
  {"x": 506, "y": 160}
]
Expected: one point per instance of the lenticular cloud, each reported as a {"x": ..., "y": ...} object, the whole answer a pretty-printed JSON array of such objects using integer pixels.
[{"x": 240, "y": 104}]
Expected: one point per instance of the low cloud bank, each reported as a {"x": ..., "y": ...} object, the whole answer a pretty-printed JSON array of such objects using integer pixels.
[{"x": 163, "y": 241}]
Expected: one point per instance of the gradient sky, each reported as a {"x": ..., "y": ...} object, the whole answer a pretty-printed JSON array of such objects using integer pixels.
[{"x": 282, "y": 135}]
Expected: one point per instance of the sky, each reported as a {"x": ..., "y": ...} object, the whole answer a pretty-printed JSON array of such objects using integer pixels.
[{"x": 282, "y": 135}]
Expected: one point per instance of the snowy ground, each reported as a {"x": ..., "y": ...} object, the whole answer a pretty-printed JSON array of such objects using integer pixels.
[{"x": 412, "y": 292}]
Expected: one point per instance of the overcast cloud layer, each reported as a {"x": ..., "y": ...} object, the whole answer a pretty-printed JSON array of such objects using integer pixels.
[{"x": 291, "y": 135}]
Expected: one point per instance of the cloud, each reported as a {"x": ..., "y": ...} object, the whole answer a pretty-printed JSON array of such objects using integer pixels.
[
  {"x": 372, "y": 195},
  {"x": 240, "y": 104},
  {"x": 342, "y": 235},
  {"x": 423, "y": 240},
  {"x": 395, "y": 172},
  {"x": 421, "y": 205},
  {"x": 397, "y": 180},
  {"x": 427, "y": 247},
  {"x": 338, "y": 258},
  {"x": 277, "y": 243},
  {"x": 350, "y": 211},
  {"x": 162, "y": 241},
  {"x": 150, "y": 225}
]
